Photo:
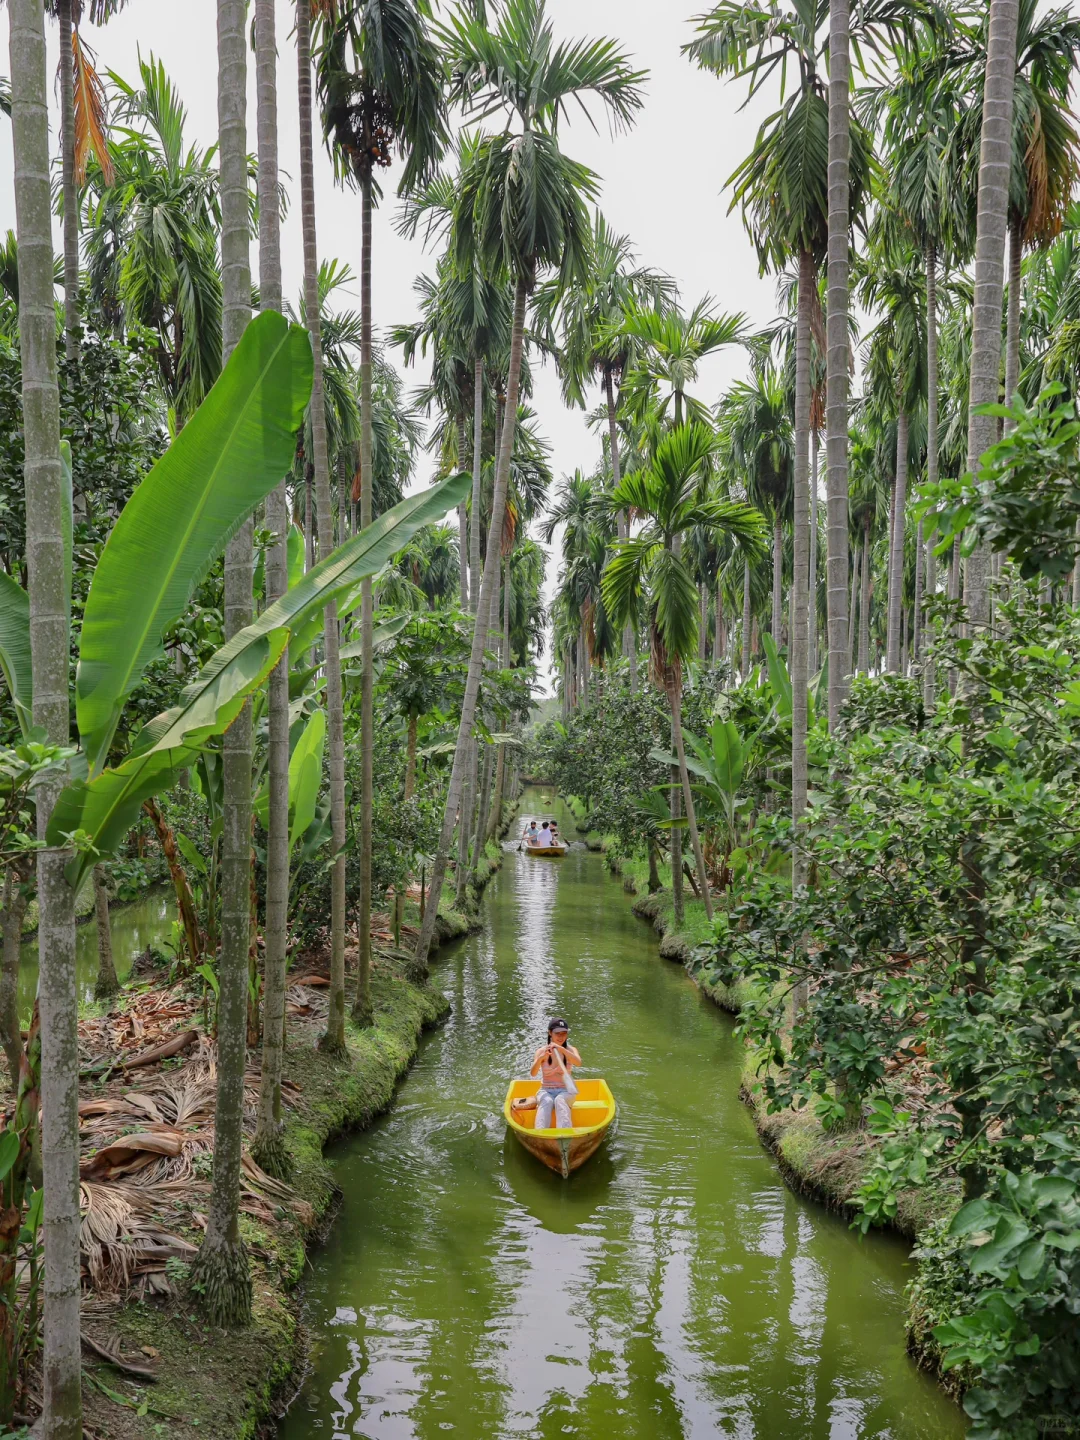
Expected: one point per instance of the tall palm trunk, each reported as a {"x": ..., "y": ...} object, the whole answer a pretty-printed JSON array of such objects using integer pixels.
[
  {"x": 777, "y": 577},
  {"x": 746, "y": 620},
  {"x": 800, "y": 632},
  {"x": 629, "y": 646},
  {"x": 995, "y": 157},
  {"x": 361, "y": 1007},
  {"x": 476, "y": 655},
  {"x": 675, "y": 701},
  {"x": 106, "y": 983},
  {"x": 930, "y": 264},
  {"x": 500, "y": 765},
  {"x": 703, "y": 621},
  {"x": 220, "y": 1269},
  {"x": 1012, "y": 312},
  {"x": 49, "y": 599},
  {"x": 469, "y": 800},
  {"x": 269, "y": 1145},
  {"x": 410, "y": 789},
  {"x": 896, "y": 547},
  {"x": 837, "y": 357},
  {"x": 864, "y": 603},
  {"x": 16, "y": 896},
  {"x": 852, "y": 608},
  {"x": 812, "y": 643},
  {"x": 463, "y": 522},
  {"x": 718, "y": 626},
  {"x": 917, "y": 610},
  {"x": 70, "y": 192},
  {"x": 333, "y": 1038}
]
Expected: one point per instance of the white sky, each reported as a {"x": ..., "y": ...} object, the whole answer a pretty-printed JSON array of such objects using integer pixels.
[{"x": 661, "y": 184}]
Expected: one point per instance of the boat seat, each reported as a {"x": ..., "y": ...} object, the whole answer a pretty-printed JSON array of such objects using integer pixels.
[{"x": 590, "y": 1105}]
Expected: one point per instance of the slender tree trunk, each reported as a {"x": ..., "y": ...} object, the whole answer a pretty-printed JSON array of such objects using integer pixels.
[
  {"x": 800, "y": 633},
  {"x": 746, "y": 620},
  {"x": 362, "y": 1010},
  {"x": 995, "y": 158},
  {"x": 864, "y": 604},
  {"x": 917, "y": 612},
  {"x": 851, "y": 608},
  {"x": 896, "y": 549},
  {"x": 837, "y": 346},
  {"x": 1076, "y": 570},
  {"x": 500, "y": 767},
  {"x": 220, "y": 1270},
  {"x": 1012, "y": 313},
  {"x": 463, "y": 523},
  {"x": 928, "y": 683},
  {"x": 185, "y": 904},
  {"x": 675, "y": 701},
  {"x": 477, "y": 475},
  {"x": 629, "y": 644},
  {"x": 812, "y": 589},
  {"x": 268, "y": 1147},
  {"x": 70, "y": 192},
  {"x": 703, "y": 621},
  {"x": 410, "y": 790},
  {"x": 654, "y": 869},
  {"x": 106, "y": 984},
  {"x": 678, "y": 903},
  {"x": 15, "y": 900},
  {"x": 777, "y": 579},
  {"x": 718, "y": 623},
  {"x": 46, "y": 507},
  {"x": 480, "y": 836},
  {"x": 476, "y": 656}
]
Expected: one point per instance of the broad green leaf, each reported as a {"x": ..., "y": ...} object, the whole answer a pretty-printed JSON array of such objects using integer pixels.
[
  {"x": 296, "y": 555},
  {"x": 975, "y": 1215},
  {"x": 727, "y": 756},
  {"x": 779, "y": 679},
  {"x": 1009, "y": 1235},
  {"x": 15, "y": 648},
  {"x": 227, "y": 677},
  {"x": 191, "y": 853},
  {"x": 228, "y": 457},
  {"x": 305, "y": 776},
  {"x": 34, "y": 1211},
  {"x": 380, "y": 635},
  {"x": 108, "y": 806},
  {"x": 10, "y": 1145}
]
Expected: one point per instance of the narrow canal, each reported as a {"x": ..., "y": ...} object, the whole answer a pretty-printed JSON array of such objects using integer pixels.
[{"x": 674, "y": 1287}]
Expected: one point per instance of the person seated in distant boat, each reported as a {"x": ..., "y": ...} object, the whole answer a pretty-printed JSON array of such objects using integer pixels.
[
  {"x": 553, "y": 1063},
  {"x": 529, "y": 833},
  {"x": 553, "y": 831},
  {"x": 543, "y": 839}
]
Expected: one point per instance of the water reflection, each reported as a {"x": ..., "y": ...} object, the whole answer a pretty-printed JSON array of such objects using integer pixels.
[
  {"x": 143, "y": 922},
  {"x": 671, "y": 1288}
]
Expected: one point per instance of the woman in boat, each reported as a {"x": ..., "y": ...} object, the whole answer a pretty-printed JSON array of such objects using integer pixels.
[{"x": 553, "y": 1063}]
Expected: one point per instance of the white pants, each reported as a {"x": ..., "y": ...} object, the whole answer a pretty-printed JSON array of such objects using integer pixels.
[{"x": 561, "y": 1102}]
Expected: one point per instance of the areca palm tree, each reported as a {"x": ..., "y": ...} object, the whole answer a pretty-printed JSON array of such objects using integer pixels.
[
  {"x": 669, "y": 346},
  {"x": 591, "y": 345},
  {"x": 381, "y": 87},
  {"x": 151, "y": 235},
  {"x": 268, "y": 1146},
  {"x": 665, "y": 492},
  {"x": 49, "y": 600},
  {"x": 1045, "y": 150},
  {"x": 896, "y": 356},
  {"x": 521, "y": 210},
  {"x": 220, "y": 1269},
  {"x": 995, "y": 164}
]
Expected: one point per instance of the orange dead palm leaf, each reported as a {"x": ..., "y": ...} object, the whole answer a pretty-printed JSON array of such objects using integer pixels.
[{"x": 91, "y": 114}]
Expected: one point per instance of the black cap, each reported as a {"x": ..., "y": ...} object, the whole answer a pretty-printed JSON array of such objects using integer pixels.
[{"x": 558, "y": 1025}]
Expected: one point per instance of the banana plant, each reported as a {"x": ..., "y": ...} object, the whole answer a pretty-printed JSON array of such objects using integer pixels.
[
  {"x": 228, "y": 457},
  {"x": 719, "y": 766}
]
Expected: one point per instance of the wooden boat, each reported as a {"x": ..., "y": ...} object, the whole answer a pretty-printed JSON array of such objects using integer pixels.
[
  {"x": 546, "y": 852},
  {"x": 563, "y": 1151}
]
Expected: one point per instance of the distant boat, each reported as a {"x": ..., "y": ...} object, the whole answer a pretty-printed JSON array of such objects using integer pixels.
[{"x": 563, "y": 1151}]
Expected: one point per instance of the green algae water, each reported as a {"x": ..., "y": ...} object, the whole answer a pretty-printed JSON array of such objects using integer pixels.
[{"x": 673, "y": 1287}]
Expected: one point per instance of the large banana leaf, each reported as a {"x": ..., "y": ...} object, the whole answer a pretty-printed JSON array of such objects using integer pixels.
[
  {"x": 305, "y": 778},
  {"x": 15, "y": 648},
  {"x": 779, "y": 679},
  {"x": 228, "y": 457},
  {"x": 105, "y": 806}
]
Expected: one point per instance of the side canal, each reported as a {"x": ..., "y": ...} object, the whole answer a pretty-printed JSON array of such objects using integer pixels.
[{"x": 673, "y": 1288}]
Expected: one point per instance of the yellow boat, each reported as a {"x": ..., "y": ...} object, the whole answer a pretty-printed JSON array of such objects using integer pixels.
[
  {"x": 546, "y": 852},
  {"x": 563, "y": 1151}
]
